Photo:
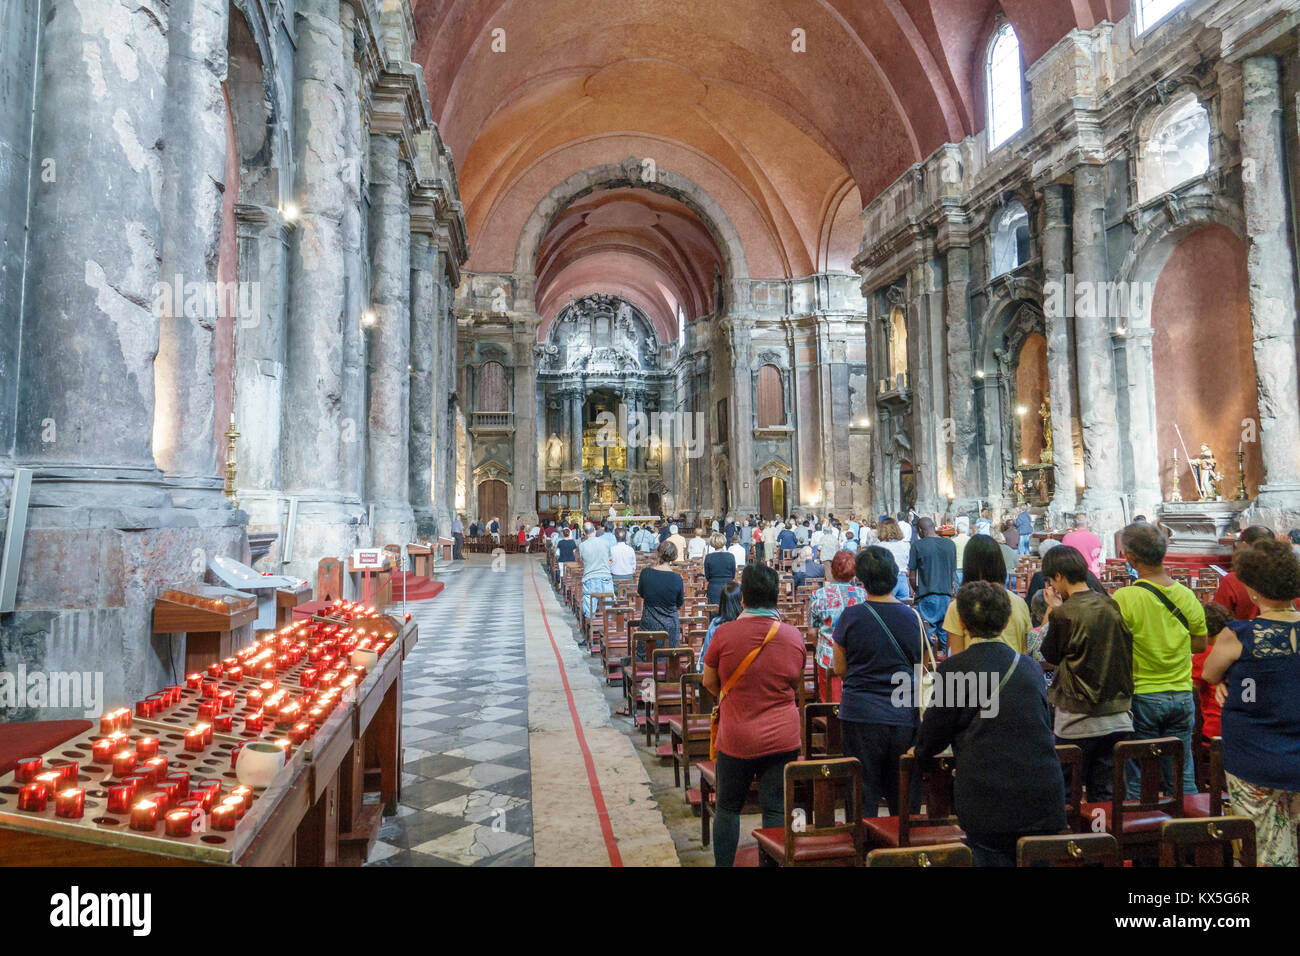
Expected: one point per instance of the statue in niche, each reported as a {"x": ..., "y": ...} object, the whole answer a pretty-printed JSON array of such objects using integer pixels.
[
  {"x": 1045, "y": 413},
  {"x": 1208, "y": 475},
  {"x": 554, "y": 451},
  {"x": 625, "y": 338},
  {"x": 1018, "y": 486},
  {"x": 577, "y": 347}
]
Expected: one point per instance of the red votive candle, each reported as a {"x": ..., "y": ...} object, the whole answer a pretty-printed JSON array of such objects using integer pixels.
[
  {"x": 227, "y": 699},
  {"x": 308, "y": 677},
  {"x": 178, "y": 823},
  {"x": 124, "y": 762},
  {"x": 144, "y": 815},
  {"x": 119, "y": 797},
  {"x": 166, "y": 794},
  {"x": 108, "y": 722},
  {"x": 33, "y": 797},
  {"x": 223, "y": 723},
  {"x": 214, "y": 669},
  {"x": 174, "y": 694},
  {"x": 102, "y": 750},
  {"x": 123, "y": 718},
  {"x": 300, "y": 732},
  {"x": 209, "y": 709},
  {"x": 194, "y": 681},
  {"x": 182, "y": 780},
  {"x": 234, "y": 755},
  {"x": 206, "y": 793},
  {"x": 235, "y": 672},
  {"x": 156, "y": 767},
  {"x": 139, "y": 782},
  {"x": 51, "y": 780},
  {"x": 235, "y": 802},
  {"x": 284, "y": 743},
  {"x": 144, "y": 708},
  {"x": 194, "y": 740},
  {"x": 147, "y": 747},
  {"x": 207, "y": 733},
  {"x": 27, "y": 768},
  {"x": 209, "y": 688},
  {"x": 224, "y": 817},
  {"x": 253, "y": 722},
  {"x": 69, "y": 769},
  {"x": 253, "y": 699},
  {"x": 70, "y": 804},
  {"x": 314, "y": 653}
]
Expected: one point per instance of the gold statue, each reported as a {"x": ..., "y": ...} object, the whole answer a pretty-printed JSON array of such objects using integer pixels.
[
  {"x": 1018, "y": 485},
  {"x": 1045, "y": 413}
]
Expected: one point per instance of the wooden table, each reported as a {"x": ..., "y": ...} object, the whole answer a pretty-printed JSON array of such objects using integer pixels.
[
  {"x": 311, "y": 815},
  {"x": 286, "y": 599}
]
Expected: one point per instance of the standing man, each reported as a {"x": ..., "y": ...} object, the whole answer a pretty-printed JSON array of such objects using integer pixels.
[
  {"x": 1089, "y": 544},
  {"x": 566, "y": 550},
  {"x": 1025, "y": 528},
  {"x": 622, "y": 559},
  {"x": 458, "y": 539},
  {"x": 932, "y": 568},
  {"x": 984, "y": 523},
  {"x": 596, "y": 577},
  {"x": 1168, "y": 627},
  {"x": 1092, "y": 649}
]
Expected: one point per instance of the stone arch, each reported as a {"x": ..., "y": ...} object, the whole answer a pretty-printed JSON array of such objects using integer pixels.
[
  {"x": 624, "y": 175},
  {"x": 267, "y": 115},
  {"x": 1145, "y": 125}
]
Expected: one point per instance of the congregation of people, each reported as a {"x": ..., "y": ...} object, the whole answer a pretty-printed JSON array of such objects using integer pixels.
[{"x": 901, "y": 604}]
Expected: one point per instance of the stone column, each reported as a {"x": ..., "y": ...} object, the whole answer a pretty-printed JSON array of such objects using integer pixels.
[
  {"x": 739, "y": 331},
  {"x": 961, "y": 392},
  {"x": 194, "y": 170},
  {"x": 1271, "y": 271},
  {"x": 321, "y": 432},
  {"x": 573, "y": 396},
  {"x": 423, "y": 329},
  {"x": 352, "y": 171},
  {"x": 525, "y": 418},
  {"x": 1094, "y": 352},
  {"x": 1060, "y": 352},
  {"x": 388, "y": 352}
]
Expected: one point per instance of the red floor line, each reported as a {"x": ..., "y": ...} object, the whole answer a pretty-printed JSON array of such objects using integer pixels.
[{"x": 602, "y": 814}]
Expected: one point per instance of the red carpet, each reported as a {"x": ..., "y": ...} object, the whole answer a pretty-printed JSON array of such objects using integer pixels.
[{"x": 416, "y": 588}]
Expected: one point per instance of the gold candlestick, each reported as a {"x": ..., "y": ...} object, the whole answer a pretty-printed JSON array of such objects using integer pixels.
[
  {"x": 1241, "y": 474},
  {"x": 231, "y": 464},
  {"x": 1175, "y": 496}
]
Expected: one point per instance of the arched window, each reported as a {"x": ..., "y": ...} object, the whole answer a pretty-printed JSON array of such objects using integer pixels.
[
  {"x": 1151, "y": 12},
  {"x": 897, "y": 347},
  {"x": 770, "y": 397},
  {"x": 1177, "y": 148},
  {"x": 492, "y": 395},
  {"x": 1010, "y": 238},
  {"x": 1004, "y": 81}
]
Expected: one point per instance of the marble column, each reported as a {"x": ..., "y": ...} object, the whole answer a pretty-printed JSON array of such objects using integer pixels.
[
  {"x": 352, "y": 227},
  {"x": 1094, "y": 351},
  {"x": 1271, "y": 270},
  {"x": 194, "y": 170},
  {"x": 1060, "y": 352},
  {"x": 321, "y": 430},
  {"x": 961, "y": 368},
  {"x": 525, "y": 419},
  {"x": 739, "y": 331},
  {"x": 423, "y": 329},
  {"x": 573, "y": 397}
]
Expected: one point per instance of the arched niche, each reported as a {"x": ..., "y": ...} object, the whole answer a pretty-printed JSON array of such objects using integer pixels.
[
  {"x": 1010, "y": 239},
  {"x": 1202, "y": 361},
  {"x": 1173, "y": 147}
]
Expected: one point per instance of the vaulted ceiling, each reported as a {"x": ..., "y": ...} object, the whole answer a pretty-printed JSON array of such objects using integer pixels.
[{"x": 787, "y": 145}]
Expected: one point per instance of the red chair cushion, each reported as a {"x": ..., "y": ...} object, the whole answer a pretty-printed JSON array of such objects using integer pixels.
[
  {"x": 1196, "y": 805},
  {"x": 33, "y": 738},
  {"x": 708, "y": 771},
  {"x": 807, "y": 849},
  {"x": 1135, "y": 821},
  {"x": 883, "y": 831}
]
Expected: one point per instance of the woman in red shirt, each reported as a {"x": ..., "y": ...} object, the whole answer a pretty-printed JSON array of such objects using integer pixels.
[
  {"x": 1231, "y": 593},
  {"x": 1216, "y": 619},
  {"x": 758, "y": 731}
]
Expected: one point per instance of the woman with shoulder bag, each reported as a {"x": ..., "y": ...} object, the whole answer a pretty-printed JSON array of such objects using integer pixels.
[
  {"x": 878, "y": 649},
  {"x": 754, "y": 665}
]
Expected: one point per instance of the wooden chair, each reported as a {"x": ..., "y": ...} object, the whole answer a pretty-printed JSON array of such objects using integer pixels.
[
  {"x": 942, "y": 854},
  {"x": 1136, "y": 823},
  {"x": 821, "y": 731},
  {"x": 1071, "y": 759},
  {"x": 1206, "y": 842},
  {"x": 1070, "y": 849},
  {"x": 1209, "y": 803},
  {"x": 688, "y": 731},
  {"x": 637, "y": 666},
  {"x": 594, "y": 624},
  {"x": 613, "y": 645},
  {"x": 670, "y": 665},
  {"x": 937, "y": 824},
  {"x": 821, "y": 840}
]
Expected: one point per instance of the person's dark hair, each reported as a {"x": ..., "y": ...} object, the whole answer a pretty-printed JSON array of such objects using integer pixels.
[
  {"x": 620, "y": 534},
  {"x": 667, "y": 552},
  {"x": 1145, "y": 544},
  {"x": 759, "y": 586},
  {"x": 925, "y": 526},
  {"x": 1256, "y": 533},
  {"x": 983, "y": 561},
  {"x": 876, "y": 569},
  {"x": 1038, "y": 607},
  {"x": 1271, "y": 568},
  {"x": 1065, "y": 560},
  {"x": 729, "y": 606},
  {"x": 1216, "y": 618},
  {"x": 842, "y": 566},
  {"x": 889, "y": 530},
  {"x": 984, "y": 608}
]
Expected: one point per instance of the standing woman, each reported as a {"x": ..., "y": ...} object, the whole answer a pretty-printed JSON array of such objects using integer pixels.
[
  {"x": 755, "y": 667},
  {"x": 729, "y": 608},
  {"x": 824, "y": 610},
  {"x": 984, "y": 560},
  {"x": 892, "y": 540},
  {"x": 1258, "y": 661},
  {"x": 878, "y": 646},
  {"x": 719, "y": 566},
  {"x": 662, "y": 593}
]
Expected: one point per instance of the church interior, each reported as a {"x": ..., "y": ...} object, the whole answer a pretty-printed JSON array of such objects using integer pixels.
[{"x": 327, "y": 327}]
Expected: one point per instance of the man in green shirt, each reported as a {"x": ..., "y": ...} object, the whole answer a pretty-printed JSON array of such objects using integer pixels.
[{"x": 1168, "y": 627}]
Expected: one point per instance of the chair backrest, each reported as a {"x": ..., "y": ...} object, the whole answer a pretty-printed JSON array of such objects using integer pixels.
[
  {"x": 1206, "y": 841},
  {"x": 1148, "y": 754},
  {"x": 1218, "y": 780},
  {"x": 941, "y": 854},
  {"x": 1069, "y": 849},
  {"x": 937, "y": 776},
  {"x": 645, "y": 643},
  {"x": 824, "y": 720},
  {"x": 671, "y": 664},
  {"x": 1071, "y": 759},
  {"x": 829, "y": 780}
]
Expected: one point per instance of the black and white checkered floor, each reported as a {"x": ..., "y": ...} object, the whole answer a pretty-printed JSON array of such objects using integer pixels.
[{"x": 465, "y": 785}]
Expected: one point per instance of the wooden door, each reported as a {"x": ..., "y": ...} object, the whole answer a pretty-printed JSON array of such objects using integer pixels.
[{"x": 493, "y": 502}]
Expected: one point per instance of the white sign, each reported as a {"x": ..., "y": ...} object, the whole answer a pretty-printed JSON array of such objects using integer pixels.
[{"x": 368, "y": 558}]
